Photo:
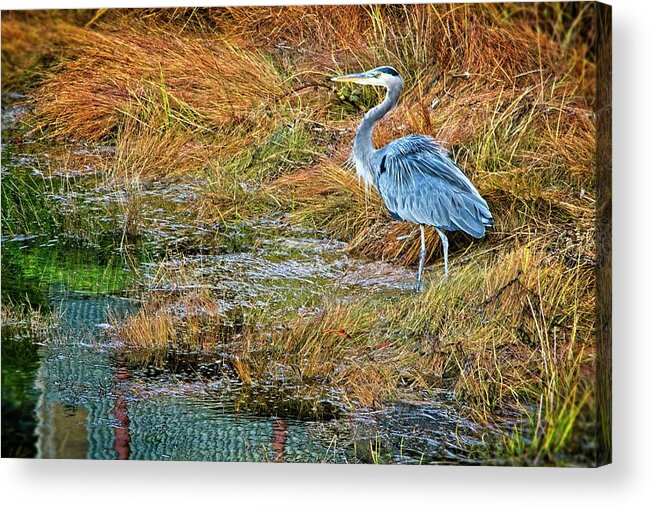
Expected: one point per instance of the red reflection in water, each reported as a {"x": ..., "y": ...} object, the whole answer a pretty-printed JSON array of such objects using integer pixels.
[
  {"x": 122, "y": 438},
  {"x": 279, "y": 427}
]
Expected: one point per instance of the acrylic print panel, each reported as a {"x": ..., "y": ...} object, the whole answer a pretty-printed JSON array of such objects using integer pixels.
[{"x": 211, "y": 250}]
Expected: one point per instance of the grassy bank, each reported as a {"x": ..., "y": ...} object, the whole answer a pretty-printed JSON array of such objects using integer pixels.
[{"x": 239, "y": 98}]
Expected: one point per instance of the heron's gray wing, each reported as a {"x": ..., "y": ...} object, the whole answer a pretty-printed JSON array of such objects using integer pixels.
[{"x": 420, "y": 183}]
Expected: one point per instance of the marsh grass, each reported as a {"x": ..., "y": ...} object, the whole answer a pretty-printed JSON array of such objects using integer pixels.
[
  {"x": 36, "y": 320},
  {"x": 35, "y": 203},
  {"x": 186, "y": 320},
  {"x": 47, "y": 203},
  {"x": 238, "y": 96},
  {"x": 146, "y": 152}
]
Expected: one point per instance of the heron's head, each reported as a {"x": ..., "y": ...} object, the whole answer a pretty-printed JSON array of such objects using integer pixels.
[{"x": 380, "y": 76}]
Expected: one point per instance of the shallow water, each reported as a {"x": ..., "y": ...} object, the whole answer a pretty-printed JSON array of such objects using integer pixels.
[{"x": 69, "y": 391}]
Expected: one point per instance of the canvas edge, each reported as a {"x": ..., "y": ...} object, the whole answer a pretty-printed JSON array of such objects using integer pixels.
[{"x": 603, "y": 233}]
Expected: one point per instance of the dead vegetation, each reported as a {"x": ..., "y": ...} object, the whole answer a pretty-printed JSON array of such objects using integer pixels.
[{"x": 187, "y": 320}]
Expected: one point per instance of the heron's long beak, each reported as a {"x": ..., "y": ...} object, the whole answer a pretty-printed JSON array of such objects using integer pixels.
[{"x": 361, "y": 78}]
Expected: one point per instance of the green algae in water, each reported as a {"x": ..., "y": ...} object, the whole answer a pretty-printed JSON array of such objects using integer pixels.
[{"x": 32, "y": 270}]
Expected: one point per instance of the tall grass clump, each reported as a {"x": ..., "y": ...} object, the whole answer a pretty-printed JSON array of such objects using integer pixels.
[
  {"x": 94, "y": 87},
  {"x": 186, "y": 320}
]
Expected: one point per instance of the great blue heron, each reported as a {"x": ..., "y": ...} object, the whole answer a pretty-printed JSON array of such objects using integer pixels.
[{"x": 414, "y": 175}]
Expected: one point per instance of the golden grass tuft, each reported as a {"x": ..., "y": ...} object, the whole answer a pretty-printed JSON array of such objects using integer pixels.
[
  {"x": 147, "y": 329},
  {"x": 334, "y": 199},
  {"x": 184, "y": 320},
  {"x": 146, "y": 152},
  {"x": 336, "y": 348},
  {"x": 194, "y": 78}
]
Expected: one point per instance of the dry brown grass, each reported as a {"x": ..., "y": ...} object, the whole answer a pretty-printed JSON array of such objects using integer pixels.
[
  {"x": 29, "y": 39},
  {"x": 194, "y": 79},
  {"x": 146, "y": 152},
  {"x": 184, "y": 320}
]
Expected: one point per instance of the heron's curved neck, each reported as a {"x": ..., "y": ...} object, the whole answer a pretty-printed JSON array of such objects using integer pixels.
[{"x": 363, "y": 145}]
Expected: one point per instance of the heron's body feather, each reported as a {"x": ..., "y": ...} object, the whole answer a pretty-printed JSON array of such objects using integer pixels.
[{"x": 419, "y": 183}]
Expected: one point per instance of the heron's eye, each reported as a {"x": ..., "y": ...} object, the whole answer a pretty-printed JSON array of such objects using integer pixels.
[{"x": 378, "y": 74}]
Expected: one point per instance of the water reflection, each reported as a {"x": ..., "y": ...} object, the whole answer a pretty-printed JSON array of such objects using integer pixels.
[
  {"x": 62, "y": 431},
  {"x": 91, "y": 406},
  {"x": 122, "y": 436}
]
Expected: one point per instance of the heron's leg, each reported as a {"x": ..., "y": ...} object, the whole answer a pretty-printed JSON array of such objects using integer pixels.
[
  {"x": 421, "y": 258},
  {"x": 444, "y": 242}
]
